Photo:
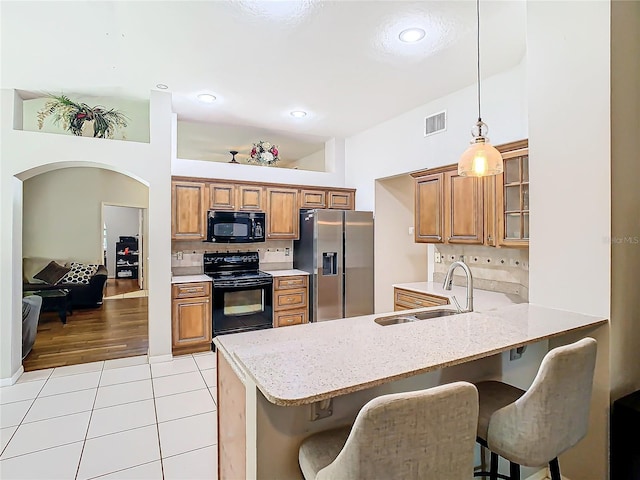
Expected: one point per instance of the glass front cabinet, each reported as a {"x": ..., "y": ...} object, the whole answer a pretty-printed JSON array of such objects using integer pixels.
[{"x": 512, "y": 196}]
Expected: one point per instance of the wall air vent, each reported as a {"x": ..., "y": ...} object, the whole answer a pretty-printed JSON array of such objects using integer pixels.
[{"x": 435, "y": 123}]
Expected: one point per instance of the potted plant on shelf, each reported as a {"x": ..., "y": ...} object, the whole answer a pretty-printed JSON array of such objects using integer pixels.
[
  {"x": 76, "y": 117},
  {"x": 264, "y": 153}
]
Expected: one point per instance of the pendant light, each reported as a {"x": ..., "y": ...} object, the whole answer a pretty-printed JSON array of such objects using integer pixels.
[{"x": 481, "y": 158}]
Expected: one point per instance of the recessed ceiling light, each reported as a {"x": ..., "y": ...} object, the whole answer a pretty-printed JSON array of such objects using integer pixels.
[
  {"x": 206, "y": 98},
  {"x": 162, "y": 86},
  {"x": 298, "y": 114},
  {"x": 412, "y": 35}
]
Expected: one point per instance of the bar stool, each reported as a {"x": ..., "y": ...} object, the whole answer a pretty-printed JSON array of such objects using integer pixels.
[
  {"x": 533, "y": 427},
  {"x": 411, "y": 435}
]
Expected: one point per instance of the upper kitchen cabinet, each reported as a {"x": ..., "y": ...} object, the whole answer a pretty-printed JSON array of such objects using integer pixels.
[
  {"x": 188, "y": 210},
  {"x": 236, "y": 196},
  {"x": 512, "y": 196},
  {"x": 282, "y": 213},
  {"x": 222, "y": 196},
  {"x": 463, "y": 208},
  {"x": 448, "y": 208},
  {"x": 313, "y": 198},
  {"x": 429, "y": 209},
  {"x": 250, "y": 198},
  {"x": 342, "y": 200}
]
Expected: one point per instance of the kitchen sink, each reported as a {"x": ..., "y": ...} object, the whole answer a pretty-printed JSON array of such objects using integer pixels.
[{"x": 414, "y": 317}]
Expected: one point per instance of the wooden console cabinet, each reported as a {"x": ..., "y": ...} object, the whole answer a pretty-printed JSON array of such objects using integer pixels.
[
  {"x": 191, "y": 317},
  {"x": 290, "y": 300}
]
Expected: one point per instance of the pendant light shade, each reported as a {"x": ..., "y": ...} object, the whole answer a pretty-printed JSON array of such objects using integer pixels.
[{"x": 481, "y": 159}]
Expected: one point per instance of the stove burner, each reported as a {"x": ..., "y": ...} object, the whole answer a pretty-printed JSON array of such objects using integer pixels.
[{"x": 234, "y": 269}]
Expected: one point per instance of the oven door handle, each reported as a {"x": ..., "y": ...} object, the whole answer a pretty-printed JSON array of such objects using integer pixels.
[{"x": 241, "y": 283}]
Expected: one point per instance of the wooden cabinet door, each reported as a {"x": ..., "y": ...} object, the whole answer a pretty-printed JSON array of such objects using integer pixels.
[
  {"x": 512, "y": 196},
  {"x": 250, "y": 197},
  {"x": 191, "y": 323},
  {"x": 222, "y": 196},
  {"x": 429, "y": 209},
  {"x": 464, "y": 209},
  {"x": 408, "y": 299},
  {"x": 282, "y": 213},
  {"x": 313, "y": 199},
  {"x": 188, "y": 211},
  {"x": 341, "y": 200}
]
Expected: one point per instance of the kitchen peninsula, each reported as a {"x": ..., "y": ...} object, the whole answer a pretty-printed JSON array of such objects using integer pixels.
[{"x": 275, "y": 387}]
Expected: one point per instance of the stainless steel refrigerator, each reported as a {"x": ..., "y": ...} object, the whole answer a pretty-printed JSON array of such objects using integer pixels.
[{"x": 336, "y": 248}]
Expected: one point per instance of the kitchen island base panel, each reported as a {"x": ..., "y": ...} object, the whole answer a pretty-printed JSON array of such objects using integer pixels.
[{"x": 231, "y": 426}]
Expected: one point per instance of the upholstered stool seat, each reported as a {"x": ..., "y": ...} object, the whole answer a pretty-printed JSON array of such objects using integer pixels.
[
  {"x": 427, "y": 434},
  {"x": 533, "y": 427}
]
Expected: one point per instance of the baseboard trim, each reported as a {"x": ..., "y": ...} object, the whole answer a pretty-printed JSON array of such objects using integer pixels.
[
  {"x": 160, "y": 358},
  {"x": 5, "y": 382}
]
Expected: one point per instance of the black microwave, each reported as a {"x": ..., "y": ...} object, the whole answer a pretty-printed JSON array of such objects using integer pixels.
[{"x": 235, "y": 227}]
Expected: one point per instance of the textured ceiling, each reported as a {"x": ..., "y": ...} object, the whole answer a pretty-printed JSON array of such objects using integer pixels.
[{"x": 340, "y": 61}]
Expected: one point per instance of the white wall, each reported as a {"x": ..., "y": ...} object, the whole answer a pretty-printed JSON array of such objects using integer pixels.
[
  {"x": 120, "y": 221},
  {"x": 333, "y": 177},
  {"x": 399, "y": 146},
  {"x": 62, "y": 211},
  {"x": 625, "y": 197},
  {"x": 569, "y": 146},
  {"x": 398, "y": 258},
  {"x": 314, "y": 162},
  {"x": 26, "y": 154}
]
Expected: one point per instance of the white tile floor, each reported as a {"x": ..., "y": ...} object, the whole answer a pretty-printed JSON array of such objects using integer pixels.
[{"x": 120, "y": 419}]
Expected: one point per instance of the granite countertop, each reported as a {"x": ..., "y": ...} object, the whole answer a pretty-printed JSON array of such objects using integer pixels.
[
  {"x": 190, "y": 278},
  {"x": 483, "y": 300},
  {"x": 284, "y": 273},
  {"x": 302, "y": 364}
]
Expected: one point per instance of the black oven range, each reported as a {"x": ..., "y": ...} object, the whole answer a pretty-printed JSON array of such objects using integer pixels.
[{"x": 242, "y": 294}]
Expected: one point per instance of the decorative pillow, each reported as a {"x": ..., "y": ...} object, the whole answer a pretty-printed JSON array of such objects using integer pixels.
[
  {"x": 52, "y": 273},
  {"x": 80, "y": 273}
]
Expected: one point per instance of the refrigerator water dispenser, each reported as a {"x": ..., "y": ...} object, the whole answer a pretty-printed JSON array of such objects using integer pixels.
[{"x": 329, "y": 263}]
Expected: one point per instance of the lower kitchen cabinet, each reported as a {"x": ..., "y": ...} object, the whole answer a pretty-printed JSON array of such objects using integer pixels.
[
  {"x": 191, "y": 317},
  {"x": 290, "y": 300},
  {"x": 408, "y": 299}
]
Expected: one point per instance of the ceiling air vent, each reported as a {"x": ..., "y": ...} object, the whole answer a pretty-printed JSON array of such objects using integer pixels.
[{"x": 435, "y": 123}]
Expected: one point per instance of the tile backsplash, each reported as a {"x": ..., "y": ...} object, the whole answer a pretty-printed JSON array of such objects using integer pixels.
[
  {"x": 503, "y": 270},
  {"x": 274, "y": 254}
]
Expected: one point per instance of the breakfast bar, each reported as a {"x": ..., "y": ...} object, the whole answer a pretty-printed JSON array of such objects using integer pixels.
[{"x": 275, "y": 387}]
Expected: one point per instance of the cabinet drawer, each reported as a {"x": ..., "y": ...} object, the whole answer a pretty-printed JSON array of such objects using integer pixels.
[
  {"x": 286, "y": 318},
  {"x": 281, "y": 283},
  {"x": 405, "y": 299},
  {"x": 189, "y": 290},
  {"x": 288, "y": 299}
]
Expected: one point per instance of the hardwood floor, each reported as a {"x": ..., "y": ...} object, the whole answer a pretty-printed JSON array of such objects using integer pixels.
[
  {"x": 118, "y": 329},
  {"x": 117, "y": 286}
]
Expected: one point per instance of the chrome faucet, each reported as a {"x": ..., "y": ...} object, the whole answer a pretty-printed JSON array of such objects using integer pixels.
[{"x": 448, "y": 281}]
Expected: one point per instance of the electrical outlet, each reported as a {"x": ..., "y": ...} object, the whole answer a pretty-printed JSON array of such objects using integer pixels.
[
  {"x": 287, "y": 251},
  {"x": 411, "y": 230},
  {"x": 179, "y": 255},
  {"x": 516, "y": 353},
  {"x": 437, "y": 257}
]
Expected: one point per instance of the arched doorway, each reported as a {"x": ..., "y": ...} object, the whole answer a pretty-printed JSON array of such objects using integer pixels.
[{"x": 63, "y": 221}]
